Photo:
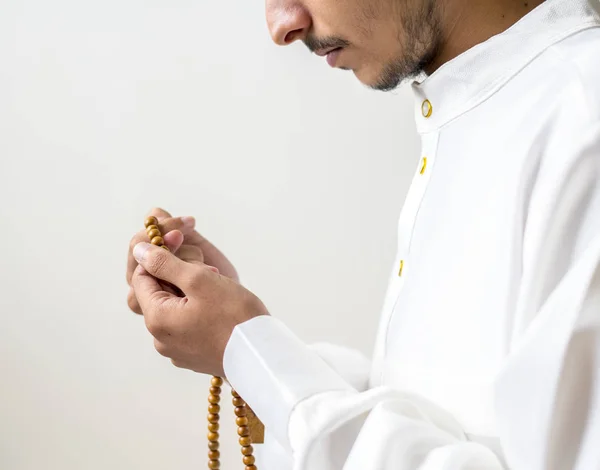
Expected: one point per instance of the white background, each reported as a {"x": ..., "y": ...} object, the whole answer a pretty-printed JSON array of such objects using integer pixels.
[{"x": 109, "y": 108}]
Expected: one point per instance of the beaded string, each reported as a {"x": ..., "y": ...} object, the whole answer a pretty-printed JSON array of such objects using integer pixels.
[{"x": 248, "y": 426}]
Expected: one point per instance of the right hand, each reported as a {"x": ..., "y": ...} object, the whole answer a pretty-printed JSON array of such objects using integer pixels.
[{"x": 184, "y": 241}]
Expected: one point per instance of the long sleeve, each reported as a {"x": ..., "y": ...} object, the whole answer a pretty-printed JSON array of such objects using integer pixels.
[
  {"x": 352, "y": 366},
  {"x": 547, "y": 392},
  {"x": 323, "y": 423}
]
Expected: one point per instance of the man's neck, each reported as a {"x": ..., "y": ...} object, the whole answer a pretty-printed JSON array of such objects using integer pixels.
[{"x": 467, "y": 23}]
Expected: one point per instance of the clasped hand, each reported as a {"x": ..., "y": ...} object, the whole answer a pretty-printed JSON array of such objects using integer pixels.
[{"x": 189, "y": 305}]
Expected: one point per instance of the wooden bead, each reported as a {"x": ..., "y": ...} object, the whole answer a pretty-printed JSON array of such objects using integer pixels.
[
  {"x": 150, "y": 221},
  {"x": 214, "y": 409},
  {"x": 214, "y": 399},
  {"x": 213, "y": 436},
  {"x": 216, "y": 381},
  {"x": 213, "y": 417},
  {"x": 215, "y": 454},
  {"x": 243, "y": 421},
  {"x": 153, "y": 233},
  {"x": 250, "y": 467},
  {"x": 234, "y": 393},
  {"x": 249, "y": 460},
  {"x": 152, "y": 227},
  {"x": 247, "y": 450},
  {"x": 165, "y": 247},
  {"x": 213, "y": 427},
  {"x": 157, "y": 241},
  {"x": 213, "y": 445},
  {"x": 243, "y": 431},
  {"x": 215, "y": 390},
  {"x": 245, "y": 441},
  {"x": 214, "y": 464},
  {"x": 238, "y": 402},
  {"x": 240, "y": 411}
]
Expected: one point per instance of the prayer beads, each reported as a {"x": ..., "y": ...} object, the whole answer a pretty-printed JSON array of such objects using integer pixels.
[{"x": 247, "y": 423}]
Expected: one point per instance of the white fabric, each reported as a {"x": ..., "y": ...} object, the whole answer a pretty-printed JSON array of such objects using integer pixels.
[{"x": 488, "y": 352}]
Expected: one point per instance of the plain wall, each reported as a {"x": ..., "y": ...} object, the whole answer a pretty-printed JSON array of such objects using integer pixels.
[{"x": 107, "y": 109}]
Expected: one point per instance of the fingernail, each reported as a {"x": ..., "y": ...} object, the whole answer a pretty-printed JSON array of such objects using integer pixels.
[
  {"x": 140, "y": 250},
  {"x": 188, "y": 222}
]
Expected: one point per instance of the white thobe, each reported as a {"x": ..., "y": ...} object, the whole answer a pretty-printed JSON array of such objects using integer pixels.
[{"x": 488, "y": 351}]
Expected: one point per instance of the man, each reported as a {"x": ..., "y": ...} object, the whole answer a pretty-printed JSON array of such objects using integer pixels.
[{"x": 488, "y": 353}]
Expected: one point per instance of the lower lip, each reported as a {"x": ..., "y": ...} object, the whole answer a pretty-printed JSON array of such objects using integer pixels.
[{"x": 332, "y": 57}]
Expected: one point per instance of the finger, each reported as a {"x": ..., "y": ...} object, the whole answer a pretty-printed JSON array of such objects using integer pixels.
[
  {"x": 159, "y": 213},
  {"x": 146, "y": 288},
  {"x": 214, "y": 269},
  {"x": 132, "y": 302},
  {"x": 165, "y": 266},
  {"x": 174, "y": 240},
  {"x": 212, "y": 255},
  {"x": 166, "y": 351},
  {"x": 191, "y": 254},
  {"x": 184, "y": 224},
  {"x": 163, "y": 215},
  {"x": 157, "y": 305}
]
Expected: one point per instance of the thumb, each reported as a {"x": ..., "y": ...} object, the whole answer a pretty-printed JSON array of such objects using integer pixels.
[
  {"x": 164, "y": 265},
  {"x": 147, "y": 289}
]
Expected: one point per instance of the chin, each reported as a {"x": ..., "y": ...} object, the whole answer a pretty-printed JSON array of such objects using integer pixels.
[{"x": 367, "y": 76}]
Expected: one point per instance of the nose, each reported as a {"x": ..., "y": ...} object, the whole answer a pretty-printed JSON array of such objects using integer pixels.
[{"x": 288, "y": 21}]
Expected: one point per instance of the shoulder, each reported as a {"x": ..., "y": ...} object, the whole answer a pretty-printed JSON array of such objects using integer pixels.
[
  {"x": 565, "y": 116},
  {"x": 566, "y": 133},
  {"x": 578, "y": 58}
]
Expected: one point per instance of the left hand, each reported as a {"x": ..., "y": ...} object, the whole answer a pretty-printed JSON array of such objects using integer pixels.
[
  {"x": 182, "y": 239},
  {"x": 192, "y": 330}
]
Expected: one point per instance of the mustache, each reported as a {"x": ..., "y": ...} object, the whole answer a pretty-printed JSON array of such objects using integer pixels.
[{"x": 318, "y": 44}]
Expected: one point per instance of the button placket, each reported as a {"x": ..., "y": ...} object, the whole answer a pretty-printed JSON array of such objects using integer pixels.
[
  {"x": 408, "y": 219},
  {"x": 414, "y": 199}
]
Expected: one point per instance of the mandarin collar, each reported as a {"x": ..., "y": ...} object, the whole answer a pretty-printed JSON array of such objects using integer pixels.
[{"x": 472, "y": 77}]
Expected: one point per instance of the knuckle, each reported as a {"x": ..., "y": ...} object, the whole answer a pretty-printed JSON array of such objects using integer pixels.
[
  {"x": 159, "y": 212},
  {"x": 198, "y": 276},
  {"x": 156, "y": 261},
  {"x": 156, "y": 327},
  {"x": 170, "y": 224}
]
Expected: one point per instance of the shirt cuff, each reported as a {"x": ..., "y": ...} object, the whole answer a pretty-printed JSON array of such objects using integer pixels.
[{"x": 273, "y": 371}]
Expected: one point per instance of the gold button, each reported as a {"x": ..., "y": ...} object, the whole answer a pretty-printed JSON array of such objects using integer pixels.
[
  {"x": 401, "y": 267},
  {"x": 426, "y": 108},
  {"x": 423, "y": 164}
]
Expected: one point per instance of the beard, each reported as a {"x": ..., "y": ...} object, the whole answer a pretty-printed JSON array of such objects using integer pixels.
[{"x": 420, "y": 38}]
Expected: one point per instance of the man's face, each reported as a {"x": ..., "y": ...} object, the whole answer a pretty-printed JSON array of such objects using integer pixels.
[{"x": 382, "y": 41}]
